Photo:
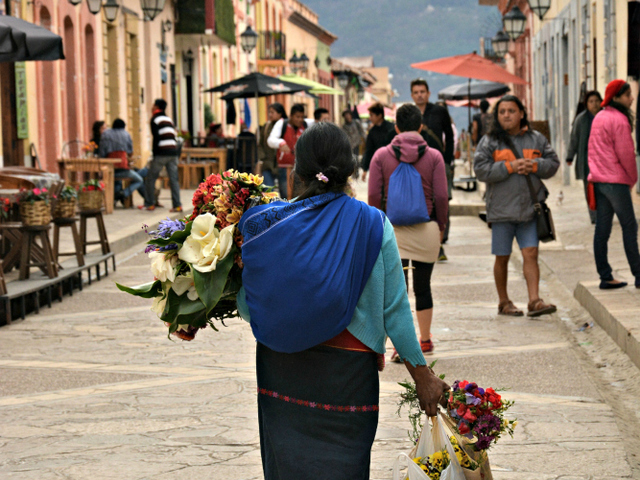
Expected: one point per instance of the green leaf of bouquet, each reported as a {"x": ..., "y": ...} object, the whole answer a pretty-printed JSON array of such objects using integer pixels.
[
  {"x": 210, "y": 285},
  {"x": 178, "y": 237},
  {"x": 146, "y": 290},
  {"x": 180, "y": 310}
]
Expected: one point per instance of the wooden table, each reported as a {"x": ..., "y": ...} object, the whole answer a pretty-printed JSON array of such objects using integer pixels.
[
  {"x": 105, "y": 166},
  {"x": 188, "y": 165}
]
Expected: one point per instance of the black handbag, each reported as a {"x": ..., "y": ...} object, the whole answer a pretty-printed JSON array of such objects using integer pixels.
[{"x": 544, "y": 219}]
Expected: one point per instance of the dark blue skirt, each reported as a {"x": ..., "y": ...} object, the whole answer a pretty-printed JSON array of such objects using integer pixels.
[{"x": 318, "y": 413}]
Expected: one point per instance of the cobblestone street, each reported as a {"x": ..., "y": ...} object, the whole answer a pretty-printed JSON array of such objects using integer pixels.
[{"x": 92, "y": 388}]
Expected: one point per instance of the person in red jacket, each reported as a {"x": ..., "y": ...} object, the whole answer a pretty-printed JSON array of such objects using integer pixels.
[
  {"x": 613, "y": 171},
  {"x": 285, "y": 141}
]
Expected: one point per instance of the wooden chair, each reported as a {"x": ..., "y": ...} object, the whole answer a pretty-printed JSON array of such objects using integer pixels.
[
  {"x": 102, "y": 231},
  {"x": 58, "y": 224},
  {"x": 47, "y": 265}
]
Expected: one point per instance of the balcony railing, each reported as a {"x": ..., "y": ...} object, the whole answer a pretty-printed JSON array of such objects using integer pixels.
[
  {"x": 489, "y": 52},
  {"x": 273, "y": 46}
]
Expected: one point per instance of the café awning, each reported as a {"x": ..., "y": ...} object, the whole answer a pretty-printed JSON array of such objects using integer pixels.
[{"x": 23, "y": 41}]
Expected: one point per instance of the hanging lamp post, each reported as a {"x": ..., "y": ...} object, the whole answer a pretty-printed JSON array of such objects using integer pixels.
[
  {"x": 514, "y": 23},
  {"x": 500, "y": 43}
]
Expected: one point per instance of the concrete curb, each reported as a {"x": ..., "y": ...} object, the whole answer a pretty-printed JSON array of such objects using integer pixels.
[{"x": 617, "y": 312}]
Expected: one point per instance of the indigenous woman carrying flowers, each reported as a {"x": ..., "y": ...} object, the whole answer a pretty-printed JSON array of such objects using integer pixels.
[{"x": 322, "y": 288}]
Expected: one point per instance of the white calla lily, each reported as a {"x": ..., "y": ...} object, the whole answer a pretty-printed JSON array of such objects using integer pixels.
[
  {"x": 163, "y": 268},
  {"x": 158, "y": 305},
  {"x": 185, "y": 283},
  {"x": 206, "y": 245}
]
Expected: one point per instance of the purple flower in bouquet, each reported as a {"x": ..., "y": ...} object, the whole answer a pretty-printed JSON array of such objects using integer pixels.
[
  {"x": 166, "y": 248},
  {"x": 456, "y": 386},
  {"x": 487, "y": 424},
  {"x": 168, "y": 227},
  {"x": 471, "y": 387},
  {"x": 472, "y": 400},
  {"x": 484, "y": 442}
]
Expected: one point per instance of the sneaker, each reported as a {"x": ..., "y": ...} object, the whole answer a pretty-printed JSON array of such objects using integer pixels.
[
  {"x": 395, "y": 358},
  {"x": 176, "y": 209},
  {"x": 150, "y": 208},
  {"x": 442, "y": 257},
  {"x": 427, "y": 346}
]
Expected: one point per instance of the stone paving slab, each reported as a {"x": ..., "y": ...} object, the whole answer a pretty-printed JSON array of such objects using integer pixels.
[{"x": 190, "y": 413}]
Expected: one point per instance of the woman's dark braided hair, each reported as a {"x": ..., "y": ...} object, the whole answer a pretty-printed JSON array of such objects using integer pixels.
[
  {"x": 496, "y": 131},
  {"x": 323, "y": 148}
]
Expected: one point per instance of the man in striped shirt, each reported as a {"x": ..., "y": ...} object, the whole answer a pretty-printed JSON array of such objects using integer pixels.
[{"x": 165, "y": 154}]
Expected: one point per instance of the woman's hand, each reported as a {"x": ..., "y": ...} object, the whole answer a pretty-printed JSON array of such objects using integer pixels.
[{"x": 429, "y": 388}]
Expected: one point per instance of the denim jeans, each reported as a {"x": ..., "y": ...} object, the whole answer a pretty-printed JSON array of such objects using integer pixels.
[
  {"x": 615, "y": 198},
  {"x": 137, "y": 182},
  {"x": 268, "y": 178},
  {"x": 282, "y": 182},
  {"x": 155, "y": 167}
]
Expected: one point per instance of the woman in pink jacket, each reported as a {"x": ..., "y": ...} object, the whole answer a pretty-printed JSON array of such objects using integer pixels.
[{"x": 613, "y": 171}]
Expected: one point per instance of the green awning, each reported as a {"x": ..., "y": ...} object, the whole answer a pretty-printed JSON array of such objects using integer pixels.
[{"x": 317, "y": 88}]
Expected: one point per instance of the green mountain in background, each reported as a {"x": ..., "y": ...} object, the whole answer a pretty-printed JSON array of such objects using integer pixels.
[{"x": 398, "y": 33}]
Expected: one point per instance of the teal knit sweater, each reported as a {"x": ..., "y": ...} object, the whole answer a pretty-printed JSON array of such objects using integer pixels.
[{"x": 383, "y": 309}]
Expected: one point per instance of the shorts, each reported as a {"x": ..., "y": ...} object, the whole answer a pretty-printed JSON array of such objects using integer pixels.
[{"x": 502, "y": 234}]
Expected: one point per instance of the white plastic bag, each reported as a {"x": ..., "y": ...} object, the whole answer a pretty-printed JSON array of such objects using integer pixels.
[{"x": 433, "y": 439}]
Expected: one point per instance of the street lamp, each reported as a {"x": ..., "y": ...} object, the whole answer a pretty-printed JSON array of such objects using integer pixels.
[
  {"x": 304, "y": 62},
  {"x": 500, "y": 43},
  {"x": 343, "y": 80},
  {"x": 111, "y": 8},
  {"x": 540, "y": 7},
  {"x": 248, "y": 40},
  {"x": 514, "y": 23},
  {"x": 94, "y": 6},
  {"x": 151, "y": 8},
  {"x": 187, "y": 59},
  {"x": 294, "y": 62}
]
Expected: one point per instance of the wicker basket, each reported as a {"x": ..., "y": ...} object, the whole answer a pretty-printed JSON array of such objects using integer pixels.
[
  {"x": 36, "y": 213},
  {"x": 90, "y": 200},
  {"x": 65, "y": 209}
]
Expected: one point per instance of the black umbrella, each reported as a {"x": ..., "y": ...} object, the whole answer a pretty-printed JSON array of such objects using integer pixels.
[
  {"x": 23, "y": 41},
  {"x": 256, "y": 85},
  {"x": 474, "y": 91}
]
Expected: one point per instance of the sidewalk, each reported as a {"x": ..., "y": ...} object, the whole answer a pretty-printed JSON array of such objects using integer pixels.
[
  {"x": 571, "y": 259},
  {"x": 94, "y": 389}
]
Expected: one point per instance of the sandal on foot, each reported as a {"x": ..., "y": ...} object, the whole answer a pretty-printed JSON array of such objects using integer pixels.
[
  {"x": 538, "y": 307},
  {"x": 508, "y": 308}
]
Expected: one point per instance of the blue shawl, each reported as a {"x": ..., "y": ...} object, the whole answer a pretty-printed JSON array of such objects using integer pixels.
[{"x": 305, "y": 267}]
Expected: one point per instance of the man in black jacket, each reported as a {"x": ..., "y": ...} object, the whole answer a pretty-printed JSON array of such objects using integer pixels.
[
  {"x": 437, "y": 132},
  {"x": 380, "y": 135}
]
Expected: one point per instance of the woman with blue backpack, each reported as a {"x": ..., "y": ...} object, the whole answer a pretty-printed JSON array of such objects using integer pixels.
[{"x": 408, "y": 181}]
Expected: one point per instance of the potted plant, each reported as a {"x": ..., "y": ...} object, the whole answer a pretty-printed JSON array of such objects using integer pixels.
[
  {"x": 34, "y": 206},
  {"x": 90, "y": 195},
  {"x": 65, "y": 206},
  {"x": 5, "y": 207}
]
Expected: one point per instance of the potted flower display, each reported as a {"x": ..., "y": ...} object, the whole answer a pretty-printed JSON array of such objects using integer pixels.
[
  {"x": 65, "y": 206},
  {"x": 34, "y": 206},
  {"x": 90, "y": 195}
]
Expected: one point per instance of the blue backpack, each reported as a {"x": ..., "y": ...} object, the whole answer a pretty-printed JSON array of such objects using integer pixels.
[{"x": 406, "y": 204}]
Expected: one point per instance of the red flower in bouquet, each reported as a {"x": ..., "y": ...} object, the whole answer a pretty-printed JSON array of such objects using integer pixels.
[{"x": 478, "y": 413}]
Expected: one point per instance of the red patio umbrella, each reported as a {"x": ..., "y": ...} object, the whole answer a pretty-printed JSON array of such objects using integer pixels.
[{"x": 471, "y": 66}]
